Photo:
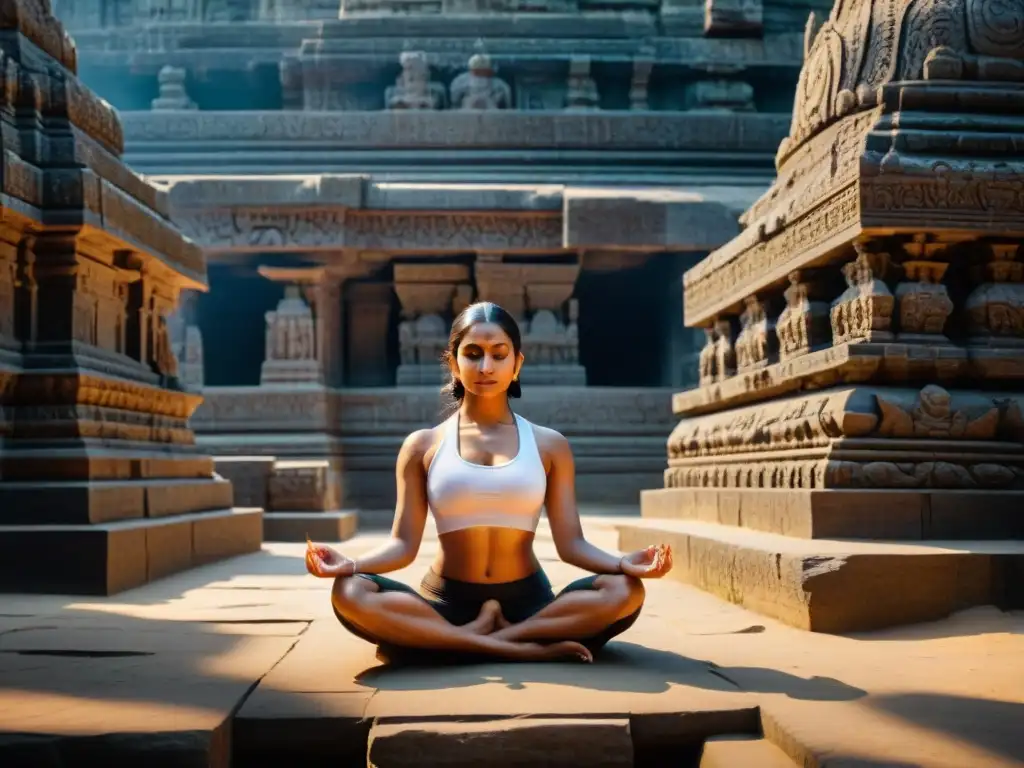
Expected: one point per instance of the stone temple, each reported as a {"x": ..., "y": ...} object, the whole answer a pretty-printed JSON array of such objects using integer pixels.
[{"x": 356, "y": 173}]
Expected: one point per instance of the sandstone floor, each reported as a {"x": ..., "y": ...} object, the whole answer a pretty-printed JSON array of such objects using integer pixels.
[{"x": 243, "y": 663}]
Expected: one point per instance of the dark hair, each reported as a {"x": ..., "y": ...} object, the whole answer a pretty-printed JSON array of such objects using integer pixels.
[{"x": 481, "y": 312}]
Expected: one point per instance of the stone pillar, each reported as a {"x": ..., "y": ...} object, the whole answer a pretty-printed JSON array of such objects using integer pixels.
[
  {"x": 291, "y": 343},
  {"x": 538, "y": 295},
  {"x": 102, "y": 472},
  {"x": 428, "y": 294},
  {"x": 367, "y": 322}
]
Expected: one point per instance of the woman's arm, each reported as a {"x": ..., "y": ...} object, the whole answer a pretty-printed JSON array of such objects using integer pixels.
[
  {"x": 563, "y": 513},
  {"x": 410, "y": 509}
]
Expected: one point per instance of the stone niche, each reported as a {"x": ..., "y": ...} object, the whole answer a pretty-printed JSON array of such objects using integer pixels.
[
  {"x": 99, "y": 470},
  {"x": 863, "y": 376},
  {"x": 291, "y": 354}
]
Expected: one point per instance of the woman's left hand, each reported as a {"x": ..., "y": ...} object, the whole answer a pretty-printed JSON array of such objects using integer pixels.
[{"x": 651, "y": 563}]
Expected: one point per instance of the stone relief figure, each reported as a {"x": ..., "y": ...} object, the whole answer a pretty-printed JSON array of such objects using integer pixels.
[
  {"x": 479, "y": 88},
  {"x": 725, "y": 354},
  {"x": 709, "y": 358},
  {"x": 864, "y": 310},
  {"x": 933, "y": 416},
  {"x": 414, "y": 89}
]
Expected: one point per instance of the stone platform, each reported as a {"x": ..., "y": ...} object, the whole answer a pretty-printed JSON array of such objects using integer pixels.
[{"x": 241, "y": 663}]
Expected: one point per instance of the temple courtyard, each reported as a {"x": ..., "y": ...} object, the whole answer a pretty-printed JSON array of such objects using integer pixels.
[{"x": 242, "y": 663}]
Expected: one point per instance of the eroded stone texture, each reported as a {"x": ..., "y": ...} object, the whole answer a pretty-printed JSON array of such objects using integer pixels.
[
  {"x": 926, "y": 231},
  {"x": 98, "y": 464}
]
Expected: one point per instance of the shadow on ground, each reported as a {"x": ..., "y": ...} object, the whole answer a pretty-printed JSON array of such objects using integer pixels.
[{"x": 622, "y": 667}]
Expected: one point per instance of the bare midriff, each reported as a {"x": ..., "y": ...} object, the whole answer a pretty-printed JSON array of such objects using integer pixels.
[{"x": 486, "y": 555}]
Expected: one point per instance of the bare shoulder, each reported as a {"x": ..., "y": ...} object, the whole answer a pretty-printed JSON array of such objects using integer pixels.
[
  {"x": 419, "y": 446},
  {"x": 551, "y": 443}
]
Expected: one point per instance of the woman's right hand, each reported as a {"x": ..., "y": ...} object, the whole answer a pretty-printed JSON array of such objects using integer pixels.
[{"x": 326, "y": 563}]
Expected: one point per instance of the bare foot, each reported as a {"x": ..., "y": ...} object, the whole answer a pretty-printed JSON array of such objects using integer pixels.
[
  {"x": 487, "y": 621},
  {"x": 561, "y": 650}
]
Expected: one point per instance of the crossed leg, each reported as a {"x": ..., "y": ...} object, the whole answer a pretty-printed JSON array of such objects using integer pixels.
[
  {"x": 579, "y": 613},
  {"x": 404, "y": 619}
]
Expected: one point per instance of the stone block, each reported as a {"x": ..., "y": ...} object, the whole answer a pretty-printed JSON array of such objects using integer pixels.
[
  {"x": 837, "y": 586},
  {"x": 185, "y": 496},
  {"x": 319, "y": 526},
  {"x": 249, "y": 476},
  {"x": 733, "y": 18},
  {"x": 301, "y": 486},
  {"x": 216, "y": 536},
  {"x": 502, "y": 743},
  {"x": 737, "y": 751}
]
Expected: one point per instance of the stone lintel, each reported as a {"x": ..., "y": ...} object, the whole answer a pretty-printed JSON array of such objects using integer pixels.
[{"x": 246, "y": 214}]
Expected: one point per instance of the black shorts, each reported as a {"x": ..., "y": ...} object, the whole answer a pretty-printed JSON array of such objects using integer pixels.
[{"x": 459, "y": 602}]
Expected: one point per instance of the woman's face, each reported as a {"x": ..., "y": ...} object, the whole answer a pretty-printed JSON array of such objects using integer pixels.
[{"x": 486, "y": 361}]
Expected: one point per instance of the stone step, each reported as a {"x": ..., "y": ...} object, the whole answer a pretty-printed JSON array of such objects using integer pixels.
[
  {"x": 836, "y": 586},
  {"x": 855, "y": 514},
  {"x": 319, "y": 526},
  {"x": 743, "y": 751},
  {"x": 107, "y": 501},
  {"x": 111, "y": 557}
]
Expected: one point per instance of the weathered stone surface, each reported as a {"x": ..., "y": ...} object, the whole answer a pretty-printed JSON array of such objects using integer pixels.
[
  {"x": 98, "y": 461},
  {"x": 319, "y": 526},
  {"x": 837, "y": 586},
  {"x": 503, "y": 744}
]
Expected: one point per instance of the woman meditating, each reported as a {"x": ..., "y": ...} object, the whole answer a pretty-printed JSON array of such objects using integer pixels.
[{"x": 485, "y": 474}]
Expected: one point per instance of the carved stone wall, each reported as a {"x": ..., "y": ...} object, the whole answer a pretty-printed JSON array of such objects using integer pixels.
[
  {"x": 873, "y": 264},
  {"x": 97, "y": 459}
]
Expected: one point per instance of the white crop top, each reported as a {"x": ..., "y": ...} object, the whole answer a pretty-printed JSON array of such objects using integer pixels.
[{"x": 466, "y": 495}]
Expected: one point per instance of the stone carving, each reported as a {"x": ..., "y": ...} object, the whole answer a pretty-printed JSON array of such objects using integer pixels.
[
  {"x": 581, "y": 88},
  {"x": 480, "y": 88},
  {"x": 934, "y": 417},
  {"x": 414, "y": 89},
  {"x": 995, "y": 308},
  {"x": 924, "y": 303},
  {"x": 291, "y": 354},
  {"x": 863, "y": 312},
  {"x": 756, "y": 342},
  {"x": 191, "y": 358},
  {"x": 725, "y": 355},
  {"x": 548, "y": 341},
  {"x": 804, "y": 324},
  {"x": 708, "y": 360},
  {"x": 172, "y": 91}
]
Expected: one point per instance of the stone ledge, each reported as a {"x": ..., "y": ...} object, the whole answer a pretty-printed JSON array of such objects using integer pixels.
[
  {"x": 112, "y": 557},
  {"x": 739, "y": 751},
  {"x": 561, "y": 743},
  {"x": 832, "y": 586},
  {"x": 318, "y": 526},
  {"x": 899, "y": 515}
]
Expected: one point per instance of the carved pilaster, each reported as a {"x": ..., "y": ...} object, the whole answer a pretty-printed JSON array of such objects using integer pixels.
[
  {"x": 804, "y": 324},
  {"x": 638, "y": 92},
  {"x": 863, "y": 312}
]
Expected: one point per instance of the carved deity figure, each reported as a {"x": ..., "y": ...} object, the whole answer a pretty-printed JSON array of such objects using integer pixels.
[
  {"x": 996, "y": 306},
  {"x": 933, "y": 416},
  {"x": 754, "y": 339},
  {"x": 163, "y": 360},
  {"x": 414, "y": 89},
  {"x": 479, "y": 88}
]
